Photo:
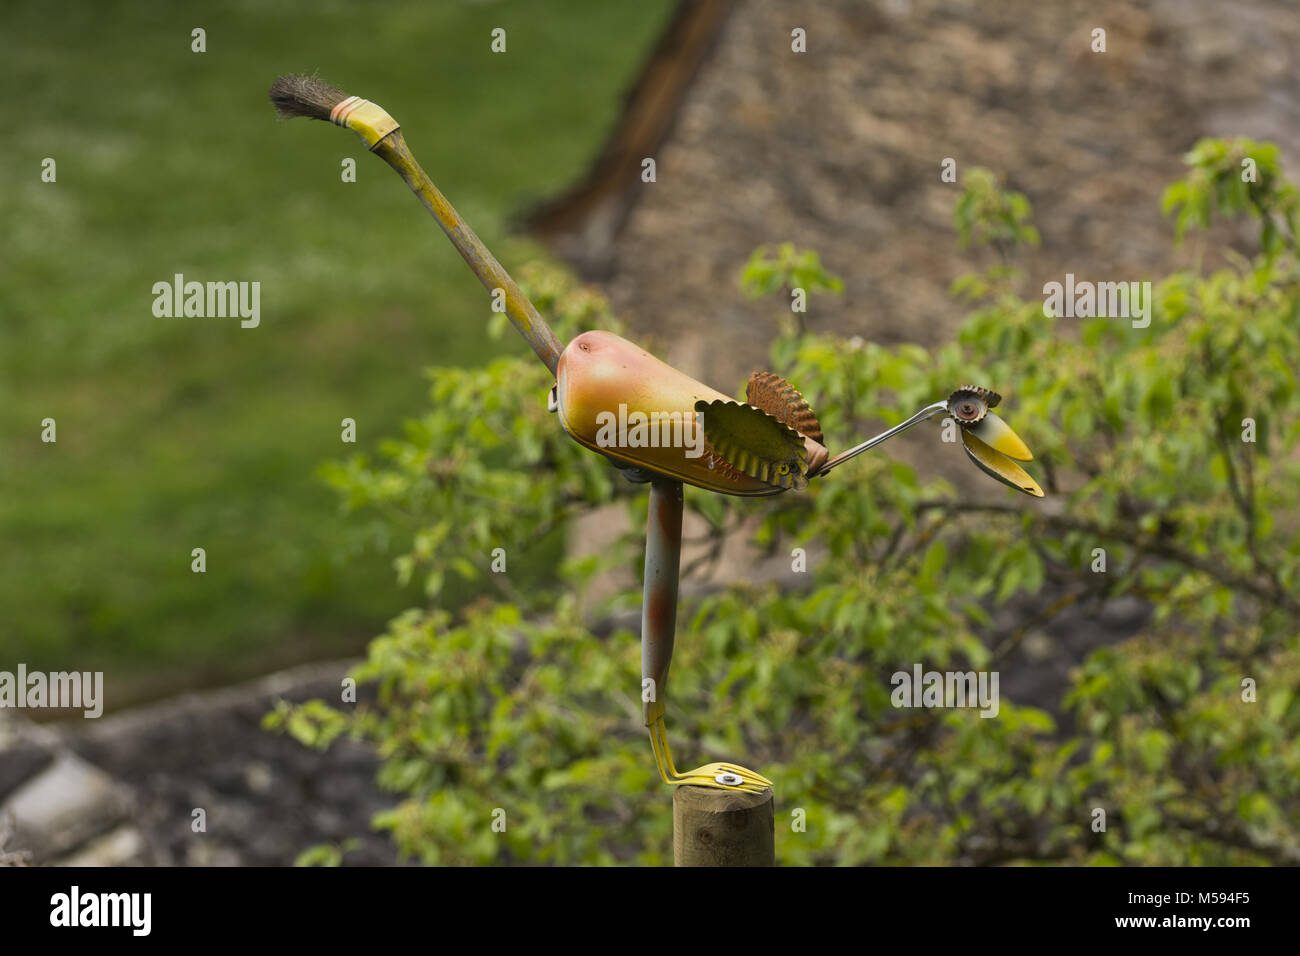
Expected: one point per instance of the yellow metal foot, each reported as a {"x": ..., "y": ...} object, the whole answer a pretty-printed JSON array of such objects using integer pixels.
[{"x": 723, "y": 776}]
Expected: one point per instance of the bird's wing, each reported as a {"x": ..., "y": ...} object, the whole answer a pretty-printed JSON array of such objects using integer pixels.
[
  {"x": 755, "y": 443},
  {"x": 781, "y": 400}
]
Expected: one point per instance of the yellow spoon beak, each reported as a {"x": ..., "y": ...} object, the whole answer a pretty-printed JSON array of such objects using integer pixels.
[
  {"x": 997, "y": 465},
  {"x": 996, "y": 434}
]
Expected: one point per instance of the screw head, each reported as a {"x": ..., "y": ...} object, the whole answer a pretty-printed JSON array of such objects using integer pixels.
[{"x": 729, "y": 779}]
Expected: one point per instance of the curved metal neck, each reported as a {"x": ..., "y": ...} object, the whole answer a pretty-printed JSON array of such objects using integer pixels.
[{"x": 923, "y": 415}]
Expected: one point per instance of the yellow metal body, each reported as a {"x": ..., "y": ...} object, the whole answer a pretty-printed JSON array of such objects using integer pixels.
[{"x": 603, "y": 377}]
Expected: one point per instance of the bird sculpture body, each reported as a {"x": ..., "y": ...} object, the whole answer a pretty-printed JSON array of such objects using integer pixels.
[
  {"x": 675, "y": 427},
  {"x": 604, "y": 379},
  {"x": 658, "y": 424}
]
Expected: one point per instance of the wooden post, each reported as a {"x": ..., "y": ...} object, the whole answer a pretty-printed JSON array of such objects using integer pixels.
[{"x": 723, "y": 827}]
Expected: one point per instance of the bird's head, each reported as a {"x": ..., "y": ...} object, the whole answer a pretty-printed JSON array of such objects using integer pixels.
[{"x": 989, "y": 441}]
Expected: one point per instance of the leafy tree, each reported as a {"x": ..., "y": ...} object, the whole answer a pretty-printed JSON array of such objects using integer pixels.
[{"x": 1173, "y": 448}]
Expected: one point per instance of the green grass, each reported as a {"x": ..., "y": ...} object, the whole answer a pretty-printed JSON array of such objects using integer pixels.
[{"x": 187, "y": 432}]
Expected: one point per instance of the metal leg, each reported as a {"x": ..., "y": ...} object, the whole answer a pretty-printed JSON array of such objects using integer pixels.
[{"x": 663, "y": 559}]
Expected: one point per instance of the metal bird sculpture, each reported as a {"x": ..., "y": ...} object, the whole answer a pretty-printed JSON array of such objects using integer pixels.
[
  {"x": 660, "y": 425},
  {"x": 769, "y": 444}
]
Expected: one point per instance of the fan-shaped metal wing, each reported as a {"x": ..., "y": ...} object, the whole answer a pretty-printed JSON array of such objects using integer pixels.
[
  {"x": 781, "y": 400},
  {"x": 755, "y": 443}
]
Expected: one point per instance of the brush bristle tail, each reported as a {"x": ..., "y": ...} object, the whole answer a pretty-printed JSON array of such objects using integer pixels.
[{"x": 296, "y": 94}]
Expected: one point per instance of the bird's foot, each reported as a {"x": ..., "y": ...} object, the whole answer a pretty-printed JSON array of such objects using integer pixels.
[
  {"x": 726, "y": 776},
  {"x": 722, "y": 776}
]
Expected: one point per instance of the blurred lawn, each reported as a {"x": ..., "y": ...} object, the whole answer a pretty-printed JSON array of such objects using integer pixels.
[{"x": 188, "y": 432}]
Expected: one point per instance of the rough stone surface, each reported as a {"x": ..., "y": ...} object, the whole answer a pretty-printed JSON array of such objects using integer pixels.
[
  {"x": 25, "y": 749},
  {"x": 123, "y": 846},
  {"x": 266, "y": 797},
  {"x": 55, "y": 808},
  {"x": 839, "y": 149},
  {"x": 64, "y": 805}
]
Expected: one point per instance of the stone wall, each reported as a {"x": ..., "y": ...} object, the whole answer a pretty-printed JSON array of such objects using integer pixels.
[
  {"x": 839, "y": 149},
  {"x": 121, "y": 790},
  {"x": 56, "y": 808}
]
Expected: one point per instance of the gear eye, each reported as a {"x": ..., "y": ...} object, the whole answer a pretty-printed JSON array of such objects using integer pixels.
[{"x": 970, "y": 403}]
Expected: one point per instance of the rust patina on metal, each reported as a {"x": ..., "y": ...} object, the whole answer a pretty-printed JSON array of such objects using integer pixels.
[{"x": 663, "y": 558}]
